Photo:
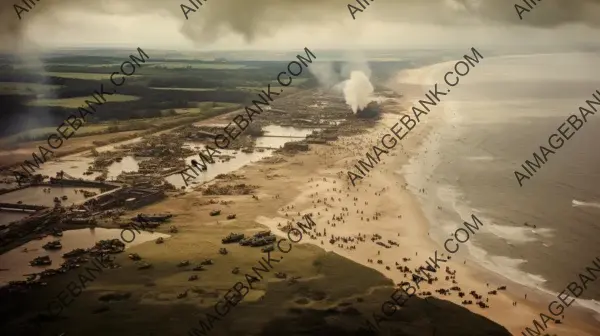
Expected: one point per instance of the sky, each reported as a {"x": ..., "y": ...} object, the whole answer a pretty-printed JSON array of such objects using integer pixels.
[{"x": 295, "y": 24}]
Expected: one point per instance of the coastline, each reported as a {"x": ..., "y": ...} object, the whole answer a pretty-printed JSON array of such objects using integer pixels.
[
  {"x": 290, "y": 180},
  {"x": 481, "y": 265},
  {"x": 411, "y": 231}
]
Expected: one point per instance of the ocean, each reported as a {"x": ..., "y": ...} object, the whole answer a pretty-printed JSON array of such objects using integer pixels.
[{"x": 494, "y": 120}]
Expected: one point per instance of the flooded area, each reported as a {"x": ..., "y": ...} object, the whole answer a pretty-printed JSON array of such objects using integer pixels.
[
  {"x": 274, "y": 138},
  {"x": 238, "y": 161},
  {"x": 14, "y": 264},
  {"x": 41, "y": 195},
  {"x": 127, "y": 164},
  {"x": 76, "y": 166}
]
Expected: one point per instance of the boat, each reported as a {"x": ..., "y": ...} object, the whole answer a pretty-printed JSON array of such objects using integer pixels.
[
  {"x": 262, "y": 234},
  {"x": 135, "y": 256},
  {"x": 110, "y": 245},
  {"x": 41, "y": 261},
  {"x": 82, "y": 220},
  {"x": 52, "y": 245},
  {"x": 56, "y": 232},
  {"x": 267, "y": 248},
  {"x": 152, "y": 218},
  {"x": 232, "y": 238},
  {"x": 74, "y": 253},
  {"x": 258, "y": 242}
]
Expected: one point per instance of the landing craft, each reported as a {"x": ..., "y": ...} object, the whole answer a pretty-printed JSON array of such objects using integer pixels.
[
  {"x": 52, "y": 245},
  {"x": 41, "y": 261},
  {"x": 232, "y": 238},
  {"x": 262, "y": 234},
  {"x": 152, "y": 218},
  {"x": 74, "y": 253}
]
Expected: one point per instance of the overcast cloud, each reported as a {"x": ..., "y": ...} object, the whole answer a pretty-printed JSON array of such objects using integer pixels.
[{"x": 293, "y": 24}]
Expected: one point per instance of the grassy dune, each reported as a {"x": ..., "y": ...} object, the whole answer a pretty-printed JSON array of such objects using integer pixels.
[{"x": 202, "y": 108}]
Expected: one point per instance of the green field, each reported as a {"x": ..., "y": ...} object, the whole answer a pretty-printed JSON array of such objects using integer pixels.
[
  {"x": 284, "y": 79},
  {"x": 82, "y": 75},
  {"x": 217, "y": 66},
  {"x": 202, "y": 107},
  {"x": 25, "y": 88},
  {"x": 80, "y": 101},
  {"x": 183, "y": 89}
]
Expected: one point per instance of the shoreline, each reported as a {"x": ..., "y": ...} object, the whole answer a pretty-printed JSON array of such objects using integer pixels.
[
  {"x": 302, "y": 179},
  {"x": 415, "y": 234},
  {"x": 588, "y": 308}
]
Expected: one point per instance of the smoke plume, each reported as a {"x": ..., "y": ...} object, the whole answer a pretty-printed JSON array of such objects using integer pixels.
[{"x": 358, "y": 91}]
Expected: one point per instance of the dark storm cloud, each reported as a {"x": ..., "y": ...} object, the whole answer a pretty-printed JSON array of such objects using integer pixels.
[{"x": 262, "y": 17}]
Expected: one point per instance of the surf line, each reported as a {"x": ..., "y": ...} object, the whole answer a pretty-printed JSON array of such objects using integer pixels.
[
  {"x": 575, "y": 122},
  {"x": 563, "y": 297}
]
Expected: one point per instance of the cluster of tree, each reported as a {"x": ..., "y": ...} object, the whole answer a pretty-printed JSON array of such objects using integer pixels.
[{"x": 18, "y": 116}]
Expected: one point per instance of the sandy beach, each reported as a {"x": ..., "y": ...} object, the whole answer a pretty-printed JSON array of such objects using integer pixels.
[{"x": 399, "y": 218}]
